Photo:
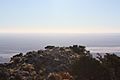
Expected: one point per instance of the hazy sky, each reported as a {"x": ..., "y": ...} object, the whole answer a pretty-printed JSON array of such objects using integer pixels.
[{"x": 60, "y": 16}]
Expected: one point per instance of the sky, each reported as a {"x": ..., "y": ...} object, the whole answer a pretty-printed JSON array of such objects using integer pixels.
[{"x": 59, "y": 16}]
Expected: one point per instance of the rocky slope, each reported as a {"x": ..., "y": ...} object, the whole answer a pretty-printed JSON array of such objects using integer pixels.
[{"x": 53, "y": 63}]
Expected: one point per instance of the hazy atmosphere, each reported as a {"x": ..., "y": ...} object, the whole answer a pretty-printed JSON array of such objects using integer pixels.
[
  {"x": 59, "y": 16},
  {"x": 59, "y": 39}
]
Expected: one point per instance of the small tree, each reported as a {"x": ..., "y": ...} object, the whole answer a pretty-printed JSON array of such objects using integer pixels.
[
  {"x": 49, "y": 47},
  {"x": 88, "y": 68},
  {"x": 112, "y": 63}
]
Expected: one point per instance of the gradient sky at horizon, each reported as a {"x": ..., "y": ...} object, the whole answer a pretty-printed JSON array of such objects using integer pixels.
[{"x": 59, "y": 16}]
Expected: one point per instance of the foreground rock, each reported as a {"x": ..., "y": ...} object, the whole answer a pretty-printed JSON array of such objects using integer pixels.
[{"x": 53, "y": 63}]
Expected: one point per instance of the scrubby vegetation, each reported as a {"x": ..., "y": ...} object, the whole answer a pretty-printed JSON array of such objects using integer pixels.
[{"x": 61, "y": 63}]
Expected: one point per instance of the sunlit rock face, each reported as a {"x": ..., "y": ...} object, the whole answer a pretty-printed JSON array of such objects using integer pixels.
[{"x": 43, "y": 64}]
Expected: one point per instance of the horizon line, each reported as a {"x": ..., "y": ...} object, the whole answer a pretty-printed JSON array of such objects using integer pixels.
[{"x": 58, "y": 33}]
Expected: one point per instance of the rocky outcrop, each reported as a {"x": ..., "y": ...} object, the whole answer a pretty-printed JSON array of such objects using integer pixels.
[{"x": 43, "y": 64}]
